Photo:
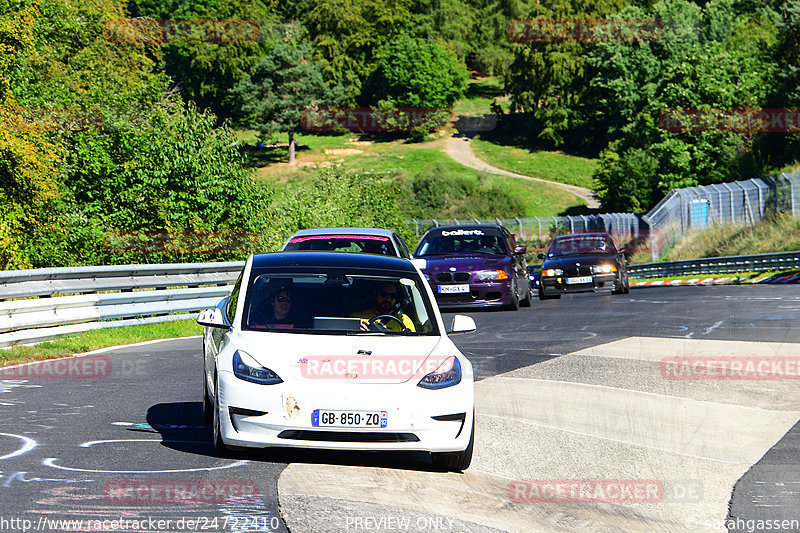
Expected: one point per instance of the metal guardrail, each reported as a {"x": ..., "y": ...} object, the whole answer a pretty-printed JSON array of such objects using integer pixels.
[
  {"x": 718, "y": 265},
  {"x": 106, "y": 296}
]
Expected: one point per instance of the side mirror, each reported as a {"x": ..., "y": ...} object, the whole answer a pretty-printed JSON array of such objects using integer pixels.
[
  {"x": 462, "y": 324},
  {"x": 518, "y": 250},
  {"x": 213, "y": 318},
  {"x": 540, "y": 256}
]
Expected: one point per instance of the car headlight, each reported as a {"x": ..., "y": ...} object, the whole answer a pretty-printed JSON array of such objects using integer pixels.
[
  {"x": 490, "y": 275},
  {"x": 246, "y": 368},
  {"x": 552, "y": 272},
  {"x": 603, "y": 269},
  {"x": 447, "y": 375}
]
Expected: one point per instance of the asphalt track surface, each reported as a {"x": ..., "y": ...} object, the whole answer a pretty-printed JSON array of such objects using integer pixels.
[{"x": 66, "y": 445}]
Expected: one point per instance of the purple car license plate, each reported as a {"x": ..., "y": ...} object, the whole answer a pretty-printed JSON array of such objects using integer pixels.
[{"x": 453, "y": 289}]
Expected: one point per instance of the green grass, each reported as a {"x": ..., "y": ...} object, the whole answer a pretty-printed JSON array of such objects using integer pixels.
[
  {"x": 406, "y": 160},
  {"x": 96, "y": 339},
  {"x": 780, "y": 233},
  {"x": 480, "y": 94},
  {"x": 551, "y": 166}
]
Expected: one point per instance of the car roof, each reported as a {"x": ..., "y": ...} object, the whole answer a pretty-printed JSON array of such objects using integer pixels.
[
  {"x": 493, "y": 227},
  {"x": 332, "y": 259},
  {"x": 579, "y": 235},
  {"x": 343, "y": 231}
]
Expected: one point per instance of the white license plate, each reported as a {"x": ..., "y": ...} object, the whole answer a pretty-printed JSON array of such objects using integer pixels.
[
  {"x": 330, "y": 418},
  {"x": 450, "y": 289},
  {"x": 582, "y": 279}
]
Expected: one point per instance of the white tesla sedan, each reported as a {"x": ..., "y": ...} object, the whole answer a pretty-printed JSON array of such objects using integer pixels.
[{"x": 338, "y": 351}]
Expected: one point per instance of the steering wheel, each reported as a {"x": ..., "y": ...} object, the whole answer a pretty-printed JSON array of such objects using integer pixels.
[{"x": 372, "y": 323}]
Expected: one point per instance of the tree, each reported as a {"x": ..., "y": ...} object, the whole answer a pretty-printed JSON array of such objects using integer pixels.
[
  {"x": 417, "y": 73},
  {"x": 206, "y": 66},
  {"x": 283, "y": 85}
]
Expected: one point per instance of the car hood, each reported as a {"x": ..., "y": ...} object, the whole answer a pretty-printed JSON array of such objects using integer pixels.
[
  {"x": 571, "y": 261},
  {"x": 462, "y": 262},
  {"x": 336, "y": 357}
]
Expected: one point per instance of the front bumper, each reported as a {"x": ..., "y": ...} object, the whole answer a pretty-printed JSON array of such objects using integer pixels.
[
  {"x": 490, "y": 294},
  {"x": 558, "y": 285},
  {"x": 287, "y": 415}
]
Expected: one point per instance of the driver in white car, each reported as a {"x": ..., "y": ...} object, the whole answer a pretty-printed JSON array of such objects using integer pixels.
[{"x": 384, "y": 302}]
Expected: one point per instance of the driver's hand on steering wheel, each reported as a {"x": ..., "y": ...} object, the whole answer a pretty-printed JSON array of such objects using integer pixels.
[{"x": 364, "y": 324}]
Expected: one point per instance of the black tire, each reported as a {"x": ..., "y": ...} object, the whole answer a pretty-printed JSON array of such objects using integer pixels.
[
  {"x": 514, "y": 305},
  {"x": 219, "y": 446},
  {"x": 208, "y": 405},
  {"x": 543, "y": 296},
  {"x": 526, "y": 302},
  {"x": 627, "y": 289},
  {"x": 619, "y": 287},
  {"x": 456, "y": 461}
]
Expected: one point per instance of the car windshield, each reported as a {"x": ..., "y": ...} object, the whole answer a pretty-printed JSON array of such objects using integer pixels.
[
  {"x": 595, "y": 244},
  {"x": 338, "y": 301},
  {"x": 370, "y": 244},
  {"x": 440, "y": 244}
]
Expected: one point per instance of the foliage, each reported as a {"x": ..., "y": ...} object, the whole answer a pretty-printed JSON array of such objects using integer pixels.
[
  {"x": 284, "y": 85},
  {"x": 339, "y": 197},
  {"x": 416, "y": 73},
  {"x": 204, "y": 70},
  {"x": 434, "y": 191}
]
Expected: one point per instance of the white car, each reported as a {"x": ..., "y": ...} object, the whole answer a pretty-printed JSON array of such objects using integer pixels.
[{"x": 337, "y": 351}]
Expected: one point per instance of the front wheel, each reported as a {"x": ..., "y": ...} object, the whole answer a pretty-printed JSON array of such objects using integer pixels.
[
  {"x": 514, "y": 304},
  {"x": 526, "y": 302},
  {"x": 219, "y": 446},
  {"x": 543, "y": 296},
  {"x": 456, "y": 461}
]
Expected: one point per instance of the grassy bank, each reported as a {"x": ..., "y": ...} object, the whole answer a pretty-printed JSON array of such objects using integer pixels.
[
  {"x": 96, "y": 339},
  {"x": 780, "y": 233},
  {"x": 462, "y": 192},
  {"x": 547, "y": 165}
]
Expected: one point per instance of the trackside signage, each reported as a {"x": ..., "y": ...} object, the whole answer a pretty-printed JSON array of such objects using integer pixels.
[
  {"x": 371, "y": 367},
  {"x": 180, "y": 492},
  {"x": 586, "y": 490},
  {"x": 89, "y": 367},
  {"x": 731, "y": 367}
]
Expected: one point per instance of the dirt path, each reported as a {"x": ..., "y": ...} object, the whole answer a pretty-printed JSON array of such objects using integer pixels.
[{"x": 459, "y": 147}]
